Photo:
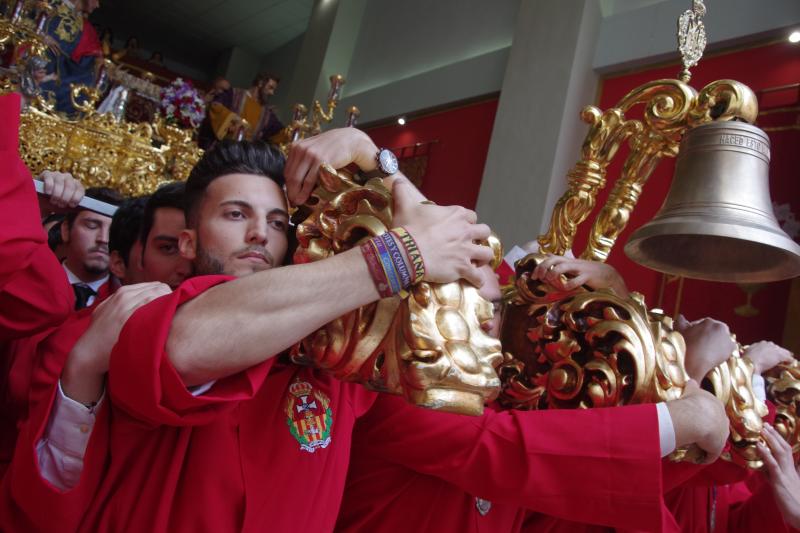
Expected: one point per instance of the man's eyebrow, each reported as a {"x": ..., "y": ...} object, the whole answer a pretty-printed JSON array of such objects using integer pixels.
[
  {"x": 278, "y": 211},
  {"x": 166, "y": 238},
  {"x": 240, "y": 203}
]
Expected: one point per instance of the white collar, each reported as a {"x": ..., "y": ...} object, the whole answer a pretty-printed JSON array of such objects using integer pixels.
[{"x": 73, "y": 279}]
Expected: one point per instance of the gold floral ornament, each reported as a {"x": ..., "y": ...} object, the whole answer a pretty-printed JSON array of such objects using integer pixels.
[
  {"x": 732, "y": 384},
  {"x": 783, "y": 389},
  {"x": 583, "y": 349},
  {"x": 101, "y": 152},
  {"x": 428, "y": 347}
]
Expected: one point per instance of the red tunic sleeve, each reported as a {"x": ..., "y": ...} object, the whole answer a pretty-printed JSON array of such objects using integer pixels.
[
  {"x": 24, "y": 492},
  {"x": 144, "y": 384},
  {"x": 606, "y": 459},
  {"x": 34, "y": 292},
  {"x": 21, "y": 230}
]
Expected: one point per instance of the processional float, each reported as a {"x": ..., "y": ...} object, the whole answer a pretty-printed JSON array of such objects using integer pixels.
[
  {"x": 583, "y": 348},
  {"x": 576, "y": 349}
]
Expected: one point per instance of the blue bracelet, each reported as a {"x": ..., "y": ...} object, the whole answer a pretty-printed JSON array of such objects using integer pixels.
[{"x": 388, "y": 266}]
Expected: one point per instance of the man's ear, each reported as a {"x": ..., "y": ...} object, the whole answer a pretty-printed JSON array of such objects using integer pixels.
[
  {"x": 65, "y": 231},
  {"x": 116, "y": 265},
  {"x": 187, "y": 244}
]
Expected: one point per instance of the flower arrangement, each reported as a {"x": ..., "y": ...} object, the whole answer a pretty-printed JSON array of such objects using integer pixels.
[{"x": 181, "y": 105}]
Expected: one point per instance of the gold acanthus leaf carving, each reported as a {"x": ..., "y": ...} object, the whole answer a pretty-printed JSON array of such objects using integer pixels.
[
  {"x": 584, "y": 349},
  {"x": 428, "y": 347},
  {"x": 783, "y": 389}
]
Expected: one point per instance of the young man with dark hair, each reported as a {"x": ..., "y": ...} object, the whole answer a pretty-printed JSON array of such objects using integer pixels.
[
  {"x": 198, "y": 427},
  {"x": 162, "y": 223},
  {"x": 124, "y": 247},
  {"x": 67, "y": 385},
  {"x": 85, "y": 234}
]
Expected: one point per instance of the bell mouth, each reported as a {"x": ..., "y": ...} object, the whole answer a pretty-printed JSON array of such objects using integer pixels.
[{"x": 721, "y": 253}]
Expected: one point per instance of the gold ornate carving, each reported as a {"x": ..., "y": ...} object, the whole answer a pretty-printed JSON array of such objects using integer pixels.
[
  {"x": 783, "y": 389},
  {"x": 607, "y": 131},
  {"x": 103, "y": 152},
  {"x": 671, "y": 107},
  {"x": 732, "y": 383},
  {"x": 305, "y": 124},
  {"x": 428, "y": 347},
  {"x": 585, "y": 348}
]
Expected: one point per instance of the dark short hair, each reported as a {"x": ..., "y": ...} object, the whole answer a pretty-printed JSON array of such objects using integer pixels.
[
  {"x": 104, "y": 194},
  {"x": 54, "y": 233},
  {"x": 225, "y": 158},
  {"x": 265, "y": 77},
  {"x": 125, "y": 227},
  {"x": 168, "y": 195}
]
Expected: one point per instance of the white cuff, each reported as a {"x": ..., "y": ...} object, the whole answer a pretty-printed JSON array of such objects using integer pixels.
[
  {"x": 61, "y": 449},
  {"x": 760, "y": 387},
  {"x": 199, "y": 390},
  {"x": 666, "y": 431}
]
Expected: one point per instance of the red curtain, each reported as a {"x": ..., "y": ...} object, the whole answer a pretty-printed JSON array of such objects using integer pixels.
[
  {"x": 457, "y": 155},
  {"x": 760, "y": 68}
]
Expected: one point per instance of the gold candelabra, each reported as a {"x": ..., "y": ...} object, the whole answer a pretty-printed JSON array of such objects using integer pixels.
[{"x": 307, "y": 124}]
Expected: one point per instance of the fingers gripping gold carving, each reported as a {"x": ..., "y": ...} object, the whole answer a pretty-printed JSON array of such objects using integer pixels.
[{"x": 428, "y": 347}]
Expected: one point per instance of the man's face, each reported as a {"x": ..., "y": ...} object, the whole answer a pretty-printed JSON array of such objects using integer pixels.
[
  {"x": 87, "y": 245},
  {"x": 491, "y": 291},
  {"x": 220, "y": 86},
  {"x": 268, "y": 89},
  {"x": 161, "y": 259},
  {"x": 241, "y": 228}
]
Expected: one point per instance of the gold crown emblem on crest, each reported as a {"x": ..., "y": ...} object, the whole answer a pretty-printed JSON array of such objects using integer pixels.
[{"x": 300, "y": 388}]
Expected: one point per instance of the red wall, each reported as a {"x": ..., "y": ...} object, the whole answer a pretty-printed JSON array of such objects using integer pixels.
[
  {"x": 760, "y": 68},
  {"x": 456, "y": 161}
]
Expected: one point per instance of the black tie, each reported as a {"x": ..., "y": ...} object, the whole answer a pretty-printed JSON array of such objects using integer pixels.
[{"x": 82, "y": 295}]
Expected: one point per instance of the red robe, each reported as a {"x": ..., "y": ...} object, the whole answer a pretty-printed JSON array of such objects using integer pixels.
[
  {"x": 21, "y": 362},
  {"x": 236, "y": 458},
  {"x": 417, "y": 470},
  {"x": 34, "y": 292},
  {"x": 731, "y": 498},
  {"x": 24, "y": 494}
]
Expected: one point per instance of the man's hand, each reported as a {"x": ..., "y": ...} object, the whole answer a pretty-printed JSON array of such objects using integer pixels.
[
  {"x": 708, "y": 344},
  {"x": 782, "y": 474},
  {"x": 338, "y": 148},
  {"x": 63, "y": 192},
  {"x": 766, "y": 355},
  {"x": 445, "y": 236},
  {"x": 594, "y": 274},
  {"x": 82, "y": 378},
  {"x": 699, "y": 418}
]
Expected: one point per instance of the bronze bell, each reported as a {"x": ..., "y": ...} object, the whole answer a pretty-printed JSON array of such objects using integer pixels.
[{"x": 717, "y": 221}]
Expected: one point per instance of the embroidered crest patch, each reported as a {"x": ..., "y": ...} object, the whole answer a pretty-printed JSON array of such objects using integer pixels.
[{"x": 309, "y": 416}]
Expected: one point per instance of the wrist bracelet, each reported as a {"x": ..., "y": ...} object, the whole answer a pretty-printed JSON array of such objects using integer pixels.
[
  {"x": 398, "y": 260},
  {"x": 376, "y": 270},
  {"x": 413, "y": 253},
  {"x": 388, "y": 265}
]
